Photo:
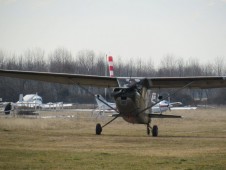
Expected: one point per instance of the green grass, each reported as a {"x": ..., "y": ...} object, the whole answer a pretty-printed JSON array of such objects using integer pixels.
[{"x": 196, "y": 142}]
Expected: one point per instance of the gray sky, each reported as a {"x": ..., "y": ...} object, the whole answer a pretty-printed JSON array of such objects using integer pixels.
[{"x": 126, "y": 28}]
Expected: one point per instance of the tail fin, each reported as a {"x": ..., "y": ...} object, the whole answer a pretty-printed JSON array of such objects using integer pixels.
[
  {"x": 99, "y": 100},
  {"x": 103, "y": 104},
  {"x": 21, "y": 98}
]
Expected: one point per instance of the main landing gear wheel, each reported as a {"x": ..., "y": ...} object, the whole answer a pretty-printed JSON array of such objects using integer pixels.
[
  {"x": 155, "y": 131},
  {"x": 98, "y": 129}
]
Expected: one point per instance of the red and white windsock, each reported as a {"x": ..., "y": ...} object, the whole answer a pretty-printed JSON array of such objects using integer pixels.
[{"x": 110, "y": 66}]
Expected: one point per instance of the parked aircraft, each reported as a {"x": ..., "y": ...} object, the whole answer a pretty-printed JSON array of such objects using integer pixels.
[
  {"x": 162, "y": 106},
  {"x": 165, "y": 105},
  {"x": 25, "y": 105},
  {"x": 30, "y": 100},
  {"x": 29, "y": 104},
  {"x": 130, "y": 93}
]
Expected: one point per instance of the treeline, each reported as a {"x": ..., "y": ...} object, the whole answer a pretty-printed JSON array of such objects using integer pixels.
[{"x": 88, "y": 62}]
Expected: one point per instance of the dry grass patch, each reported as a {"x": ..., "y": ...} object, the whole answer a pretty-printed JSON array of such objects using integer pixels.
[{"x": 198, "y": 141}]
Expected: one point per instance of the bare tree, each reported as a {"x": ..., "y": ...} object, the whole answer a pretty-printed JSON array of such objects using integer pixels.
[
  {"x": 218, "y": 66},
  {"x": 61, "y": 61},
  {"x": 85, "y": 59}
]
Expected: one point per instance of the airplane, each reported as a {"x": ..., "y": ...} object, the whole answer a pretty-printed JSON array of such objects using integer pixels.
[
  {"x": 165, "y": 105},
  {"x": 30, "y": 100},
  {"x": 26, "y": 105},
  {"x": 130, "y": 93},
  {"x": 162, "y": 105},
  {"x": 29, "y": 103}
]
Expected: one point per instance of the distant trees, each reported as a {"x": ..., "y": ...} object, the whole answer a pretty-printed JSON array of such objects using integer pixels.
[{"x": 88, "y": 62}]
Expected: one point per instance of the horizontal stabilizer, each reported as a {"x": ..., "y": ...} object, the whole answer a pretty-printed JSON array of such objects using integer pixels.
[{"x": 163, "y": 116}]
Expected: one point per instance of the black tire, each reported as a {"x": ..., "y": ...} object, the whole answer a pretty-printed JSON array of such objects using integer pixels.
[
  {"x": 155, "y": 131},
  {"x": 8, "y": 108},
  {"x": 98, "y": 129}
]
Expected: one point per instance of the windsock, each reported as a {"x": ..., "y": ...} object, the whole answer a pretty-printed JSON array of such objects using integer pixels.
[{"x": 110, "y": 66}]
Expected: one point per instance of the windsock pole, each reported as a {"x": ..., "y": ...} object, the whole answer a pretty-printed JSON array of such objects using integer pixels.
[
  {"x": 110, "y": 66},
  {"x": 109, "y": 59}
]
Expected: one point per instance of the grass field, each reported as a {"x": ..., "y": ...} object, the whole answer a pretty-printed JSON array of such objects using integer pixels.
[{"x": 198, "y": 141}]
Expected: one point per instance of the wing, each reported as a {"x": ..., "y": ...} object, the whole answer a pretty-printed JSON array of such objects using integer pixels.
[
  {"x": 98, "y": 81},
  {"x": 189, "y": 82},
  {"x": 104, "y": 81}
]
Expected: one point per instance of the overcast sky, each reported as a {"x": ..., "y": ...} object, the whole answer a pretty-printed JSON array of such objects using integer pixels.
[{"x": 126, "y": 28}]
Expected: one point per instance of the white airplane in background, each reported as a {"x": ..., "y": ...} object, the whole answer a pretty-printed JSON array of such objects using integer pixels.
[
  {"x": 166, "y": 105},
  {"x": 29, "y": 103},
  {"x": 29, "y": 100},
  {"x": 26, "y": 105},
  {"x": 163, "y": 106}
]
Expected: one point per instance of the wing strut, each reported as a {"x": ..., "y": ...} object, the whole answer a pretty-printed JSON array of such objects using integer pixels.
[
  {"x": 98, "y": 126},
  {"x": 110, "y": 121}
]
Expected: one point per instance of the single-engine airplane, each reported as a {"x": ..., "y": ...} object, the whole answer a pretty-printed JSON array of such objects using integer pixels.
[{"x": 130, "y": 94}]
